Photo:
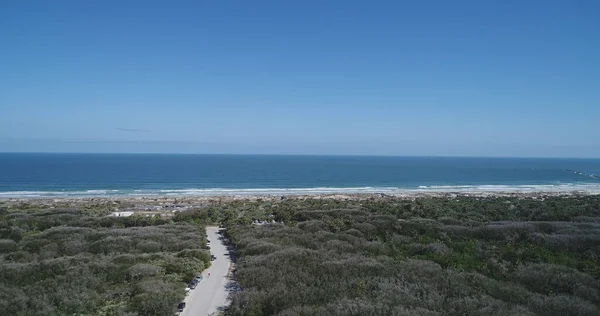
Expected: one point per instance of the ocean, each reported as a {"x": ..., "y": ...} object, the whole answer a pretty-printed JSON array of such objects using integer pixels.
[{"x": 28, "y": 175}]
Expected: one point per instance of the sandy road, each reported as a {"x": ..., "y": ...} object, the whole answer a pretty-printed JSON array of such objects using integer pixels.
[{"x": 211, "y": 293}]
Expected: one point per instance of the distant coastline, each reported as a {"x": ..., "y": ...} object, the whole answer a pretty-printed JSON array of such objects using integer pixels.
[
  {"x": 479, "y": 190},
  {"x": 97, "y": 176},
  {"x": 280, "y": 194}
]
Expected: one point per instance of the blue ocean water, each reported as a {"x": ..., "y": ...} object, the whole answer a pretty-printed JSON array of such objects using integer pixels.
[{"x": 48, "y": 175}]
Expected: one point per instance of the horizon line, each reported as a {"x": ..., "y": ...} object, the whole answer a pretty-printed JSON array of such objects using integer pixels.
[{"x": 291, "y": 155}]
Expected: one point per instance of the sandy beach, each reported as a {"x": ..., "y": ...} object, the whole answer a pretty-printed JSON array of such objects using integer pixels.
[{"x": 171, "y": 204}]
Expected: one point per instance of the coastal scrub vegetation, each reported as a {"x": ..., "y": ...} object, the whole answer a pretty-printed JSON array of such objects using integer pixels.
[
  {"x": 368, "y": 255},
  {"x": 80, "y": 262},
  {"x": 426, "y": 256}
]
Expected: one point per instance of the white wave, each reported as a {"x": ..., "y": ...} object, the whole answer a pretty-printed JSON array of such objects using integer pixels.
[
  {"x": 21, "y": 192},
  {"x": 96, "y": 191},
  {"x": 566, "y": 187},
  {"x": 389, "y": 190},
  {"x": 86, "y": 193},
  {"x": 488, "y": 188}
]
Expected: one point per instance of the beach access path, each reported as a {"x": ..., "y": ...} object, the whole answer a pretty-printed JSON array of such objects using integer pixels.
[{"x": 210, "y": 296}]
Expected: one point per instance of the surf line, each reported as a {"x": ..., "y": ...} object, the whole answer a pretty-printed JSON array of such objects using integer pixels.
[{"x": 591, "y": 175}]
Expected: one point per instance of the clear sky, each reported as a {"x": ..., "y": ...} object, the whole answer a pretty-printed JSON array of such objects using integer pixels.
[{"x": 481, "y": 77}]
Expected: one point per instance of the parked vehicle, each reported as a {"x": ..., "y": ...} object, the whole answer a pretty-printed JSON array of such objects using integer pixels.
[
  {"x": 180, "y": 307},
  {"x": 193, "y": 284},
  {"x": 212, "y": 257}
]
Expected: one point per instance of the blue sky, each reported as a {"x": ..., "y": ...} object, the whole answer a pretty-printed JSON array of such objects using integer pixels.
[{"x": 482, "y": 78}]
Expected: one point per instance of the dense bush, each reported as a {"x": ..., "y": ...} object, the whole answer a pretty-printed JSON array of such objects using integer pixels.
[
  {"x": 428, "y": 256},
  {"x": 498, "y": 255},
  {"x": 65, "y": 262}
]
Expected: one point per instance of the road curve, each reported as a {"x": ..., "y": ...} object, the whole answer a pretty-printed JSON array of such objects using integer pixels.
[{"x": 211, "y": 294}]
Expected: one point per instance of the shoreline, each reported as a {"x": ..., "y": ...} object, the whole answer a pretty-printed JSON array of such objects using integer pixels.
[
  {"x": 202, "y": 199},
  {"x": 250, "y": 193}
]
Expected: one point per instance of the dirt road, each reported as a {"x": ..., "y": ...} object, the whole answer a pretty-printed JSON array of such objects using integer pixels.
[{"x": 211, "y": 293}]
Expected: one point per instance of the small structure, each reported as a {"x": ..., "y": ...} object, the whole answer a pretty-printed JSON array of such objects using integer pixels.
[{"x": 121, "y": 214}]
